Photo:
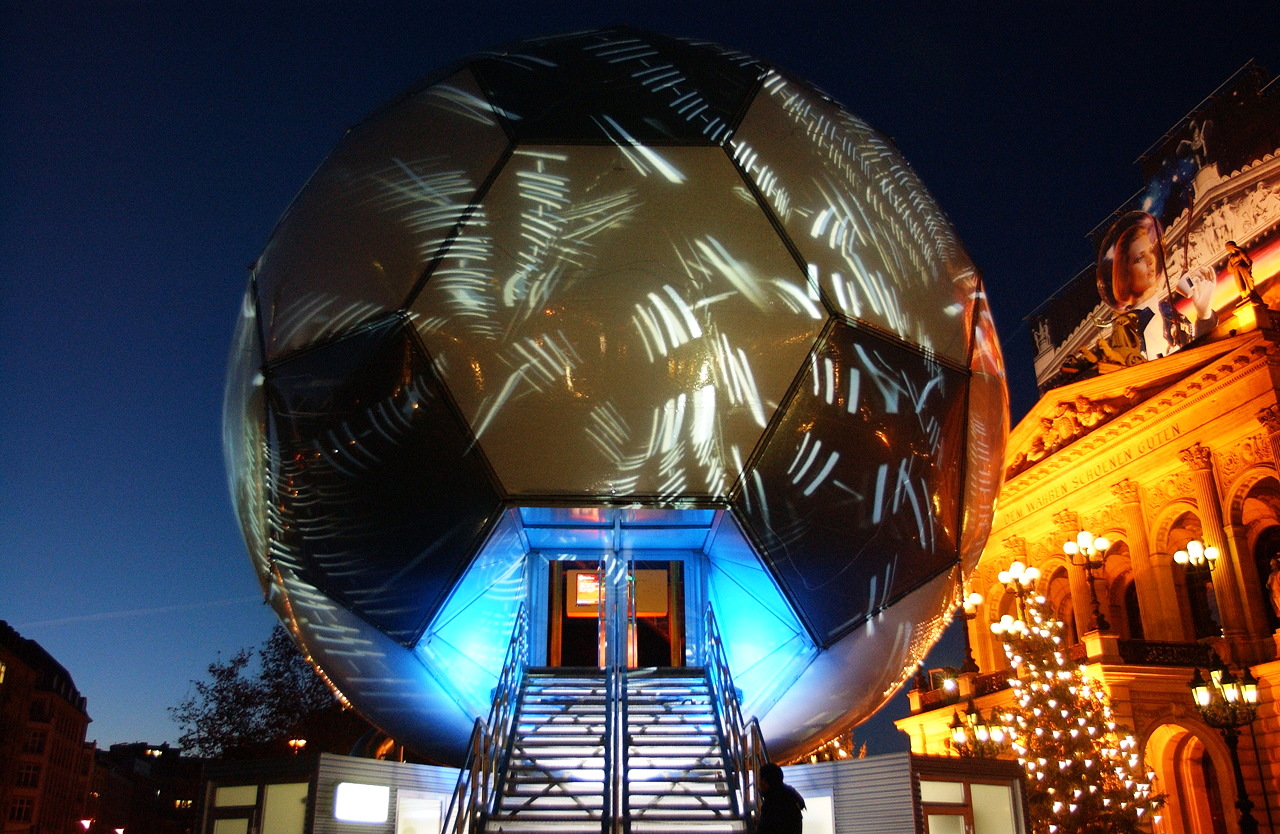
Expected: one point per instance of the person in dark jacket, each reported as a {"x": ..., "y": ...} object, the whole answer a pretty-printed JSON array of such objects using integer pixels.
[{"x": 781, "y": 806}]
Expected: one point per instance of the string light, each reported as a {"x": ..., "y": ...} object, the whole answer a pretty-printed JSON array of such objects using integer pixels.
[{"x": 1084, "y": 771}]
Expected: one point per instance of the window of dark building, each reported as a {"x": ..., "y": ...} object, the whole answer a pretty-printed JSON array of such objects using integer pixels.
[
  {"x": 28, "y": 775},
  {"x": 35, "y": 742},
  {"x": 21, "y": 809}
]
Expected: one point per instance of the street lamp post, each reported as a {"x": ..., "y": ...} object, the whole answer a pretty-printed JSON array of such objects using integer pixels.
[
  {"x": 1092, "y": 553},
  {"x": 971, "y": 603},
  {"x": 1228, "y": 702},
  {"x": 973, "y": 736},
  {"x": 1197, "y": 555}
]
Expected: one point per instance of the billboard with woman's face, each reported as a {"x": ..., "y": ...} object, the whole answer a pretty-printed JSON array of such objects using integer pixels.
[
  {"x": 1133, "y": 277},
  {"x": 1198, "y": 242}
]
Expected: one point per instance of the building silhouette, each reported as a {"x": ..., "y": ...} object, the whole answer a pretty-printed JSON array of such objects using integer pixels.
[{"x": 44, "y": 761}]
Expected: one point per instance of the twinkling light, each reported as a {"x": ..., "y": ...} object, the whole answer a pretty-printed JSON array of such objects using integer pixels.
[{"x": 1084, "y": 771}]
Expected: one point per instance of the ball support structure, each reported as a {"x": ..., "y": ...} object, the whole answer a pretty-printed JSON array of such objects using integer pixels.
[{"x": 614, "y": 290}]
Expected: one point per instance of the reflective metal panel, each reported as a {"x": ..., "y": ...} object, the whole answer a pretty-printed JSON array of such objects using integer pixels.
[
  {"x": 618, "y": 86},
  {"x": 627, "y": 327},
  {"x": 988, "y": 430},
  {"x": 855, "y": 496},
  {"x": 874, "y": 240},
  {"x": 363, "y": 437},
  {"x": 244, "y": 436},
  {"x": 468, "y": 638},
  {"x": 359, "y": 235}
]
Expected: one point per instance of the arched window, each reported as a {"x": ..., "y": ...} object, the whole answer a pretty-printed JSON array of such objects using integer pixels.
[
  {"x": 1132, "y": 612},
  {"x": 1202, "y": 602},
  {"x": 1266, "y": 555},
  {"x": 1058, "y": 596}
]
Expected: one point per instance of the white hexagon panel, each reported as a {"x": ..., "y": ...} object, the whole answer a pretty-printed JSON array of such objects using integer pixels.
[{"x": 601, "y": 273}]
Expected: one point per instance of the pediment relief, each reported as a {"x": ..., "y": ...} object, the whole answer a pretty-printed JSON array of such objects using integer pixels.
[{"x": 1065, "y": 415}]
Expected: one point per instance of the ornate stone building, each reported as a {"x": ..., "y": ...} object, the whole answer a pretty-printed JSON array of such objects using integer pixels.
[{"x": 1162, "y": 453}]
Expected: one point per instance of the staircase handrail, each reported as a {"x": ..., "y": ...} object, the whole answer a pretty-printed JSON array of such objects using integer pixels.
[
  {"x": 744, "y": 742},
  {"x": 476, "y": 789}
]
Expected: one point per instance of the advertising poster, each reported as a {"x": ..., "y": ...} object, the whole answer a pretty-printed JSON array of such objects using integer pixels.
[{"x": 1174, "y": 263}]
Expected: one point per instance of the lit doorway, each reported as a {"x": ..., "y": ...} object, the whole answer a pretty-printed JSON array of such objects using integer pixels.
[{"x": 637, "y": 606}]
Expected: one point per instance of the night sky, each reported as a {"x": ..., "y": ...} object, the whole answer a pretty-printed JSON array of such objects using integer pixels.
[{"x": 147, "y": 149}]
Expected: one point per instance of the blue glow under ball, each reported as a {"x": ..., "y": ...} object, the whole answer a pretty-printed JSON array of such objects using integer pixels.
[{"x": 614, "y": 291}]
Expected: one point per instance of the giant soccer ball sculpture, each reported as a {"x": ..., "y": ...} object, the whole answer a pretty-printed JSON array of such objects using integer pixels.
[{"x": 616, "y": 292}]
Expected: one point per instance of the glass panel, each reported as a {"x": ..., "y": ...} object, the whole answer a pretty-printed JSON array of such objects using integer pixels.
[
  {"x": 819, "y": 815},
  {"x": 607, "y": 336},
  {"x": 235, "y": 795},
  {"x": 477, "y": 620},
  {"x": 935, "y": 791},
  {"x": 640, "y": 516},
  {"x": 988, "y": 432},
  {"x": 993, "y": 809},
  {"x": 360, "y": 234},
  {"x": 239, "y": 825},
  {"x": 663, "y": 538},
  {"x": 417, "y": 812},
  {"x": 945, "y": 824},
  {"x": 566, "y": 517},
  {"x": 284, "y": 811},
  {"x": 767, "y": 647},
  {"x": 881, "y": 249},
  {"x": 364, "y": 435},
  {"x": 244, "y": 436},
  {"x": 644, "y": 88},
  {"x": 856, "y": 493}
]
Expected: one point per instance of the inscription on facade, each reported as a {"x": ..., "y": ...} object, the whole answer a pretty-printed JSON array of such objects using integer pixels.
[{"x": 1093, "y": 472}]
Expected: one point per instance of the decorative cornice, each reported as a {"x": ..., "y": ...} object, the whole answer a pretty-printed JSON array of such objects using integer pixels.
[
  {"x": 1068, "y": 520},
  {"x": 1211, "y": 379},
  {"x": 1269, "y": 417},
  {"x": 1125, "y": 491},
  {"x": 1198, "y": 456}
]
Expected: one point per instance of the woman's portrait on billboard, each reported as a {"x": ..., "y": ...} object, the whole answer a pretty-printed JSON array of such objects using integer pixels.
[
  {"x": 1132, "y": 278},
  {"x": 1131, "y": 269}
]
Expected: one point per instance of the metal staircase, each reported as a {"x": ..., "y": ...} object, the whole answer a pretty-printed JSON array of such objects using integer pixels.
[
  {"x": 678, "y": 774},
  {"x": 555, "y": 777},
  {"x": 650, "y": 751},
  {"x": 674, "y": 768}
]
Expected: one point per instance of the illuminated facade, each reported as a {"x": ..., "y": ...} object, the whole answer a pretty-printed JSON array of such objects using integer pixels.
[
  {"x": 1164, "y": 452},
  {"x": 614, "y": 329}
]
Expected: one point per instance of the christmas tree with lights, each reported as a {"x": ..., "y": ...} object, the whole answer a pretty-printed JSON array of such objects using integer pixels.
[{"x": 1084, "y": 773}]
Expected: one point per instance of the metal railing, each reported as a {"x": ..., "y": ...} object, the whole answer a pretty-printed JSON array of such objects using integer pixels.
[
  {"x": 474, "y": 795},
  {"x": 743, "y": 742},
  {"x": 615, "y": 819}
]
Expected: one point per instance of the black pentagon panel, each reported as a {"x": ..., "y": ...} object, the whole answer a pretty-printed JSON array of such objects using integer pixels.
[
  {"x": 855, "y": 496},
  {"x": 382, "y": 497},
  {"x": 618, "y": 86}
]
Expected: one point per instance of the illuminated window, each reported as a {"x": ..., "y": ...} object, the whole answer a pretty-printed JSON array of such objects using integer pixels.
[
  {"x": 182, "y": 804},
  {"x": 2, "y": 668},
  {"x": 353, "y": 802}
]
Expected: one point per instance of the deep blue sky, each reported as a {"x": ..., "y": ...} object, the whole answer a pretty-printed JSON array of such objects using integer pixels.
[{"x": 146, "y": 150}]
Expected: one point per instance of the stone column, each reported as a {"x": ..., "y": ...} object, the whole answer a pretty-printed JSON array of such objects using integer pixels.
[
  {"x": 1269, "y": 417},
  {"x": 1199, "y": 458},
  {"x": 1253, "y": 587},
  {"x": 1159, "y": 620},
  {"x": 1068, "y": 526}
]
